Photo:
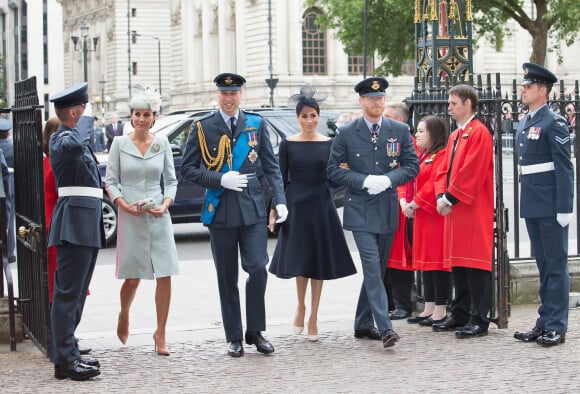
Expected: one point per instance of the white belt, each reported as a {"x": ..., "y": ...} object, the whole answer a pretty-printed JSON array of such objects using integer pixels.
[
  {"x": 80, "y": 191},
  {"x": 534, "y": 168}
]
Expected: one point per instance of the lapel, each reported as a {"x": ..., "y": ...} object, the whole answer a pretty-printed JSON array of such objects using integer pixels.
[
  {"x": 385, "y": 131},
  {"x": 220, "y": 126},
  {"x": 240, "y": 125},
  {"x": 363, "y": 132},
  {"x": 538, "y": 117}
]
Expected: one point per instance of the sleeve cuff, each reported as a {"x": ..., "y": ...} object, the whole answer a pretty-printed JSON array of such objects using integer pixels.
[{"x": 450, "y": 198}]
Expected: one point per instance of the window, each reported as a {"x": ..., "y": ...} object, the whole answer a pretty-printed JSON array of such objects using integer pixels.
[
  {"x": 313, "y": 45},
  {"x": 134, "y": 68},
  {"x": 133, "y": 12},
  {"x": 356, "y": 65}
]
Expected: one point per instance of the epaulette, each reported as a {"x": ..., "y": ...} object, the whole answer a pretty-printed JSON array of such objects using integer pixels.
[
  {"x": 251, "y": 113},
  {"x": 206, "y": 116},
  {"x": 64, "y": 133}
]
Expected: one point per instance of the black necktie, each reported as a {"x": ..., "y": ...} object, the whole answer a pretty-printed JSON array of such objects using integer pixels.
[
  {"x": 233, "y": 125},
  {"x": 375, "y": 133}
]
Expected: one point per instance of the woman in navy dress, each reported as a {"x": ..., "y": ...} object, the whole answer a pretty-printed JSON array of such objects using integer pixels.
[{"x": 311, "y": 244}]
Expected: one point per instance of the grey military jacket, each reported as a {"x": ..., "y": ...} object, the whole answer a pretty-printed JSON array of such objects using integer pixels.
[{"x": 393, "y": 155}]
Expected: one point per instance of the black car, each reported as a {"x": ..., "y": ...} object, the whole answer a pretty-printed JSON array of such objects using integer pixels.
[{"x": 189, "y": 198}]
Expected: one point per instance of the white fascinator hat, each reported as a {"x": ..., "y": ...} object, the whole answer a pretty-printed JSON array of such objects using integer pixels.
[{"x": 146, "y": 98}]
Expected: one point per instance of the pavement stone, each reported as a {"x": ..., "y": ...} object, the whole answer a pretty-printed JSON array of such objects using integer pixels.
[{"x": 422, "y": 361}]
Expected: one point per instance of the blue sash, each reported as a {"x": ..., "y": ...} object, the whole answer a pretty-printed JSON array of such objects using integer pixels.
[{"x": 239, "y": 153}]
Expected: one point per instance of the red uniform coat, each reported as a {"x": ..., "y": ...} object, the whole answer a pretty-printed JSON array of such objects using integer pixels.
[
  {"x": 468, "y": 237},
  {"x": 401, "y": 256},
  {"x": 428, "y": 224},
  {"x": 50, "y": 197}
]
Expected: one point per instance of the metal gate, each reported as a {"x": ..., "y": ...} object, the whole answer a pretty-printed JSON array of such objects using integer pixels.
[
  {"x": 30, "y": 219},
  {"x": 500, "y": 115}
]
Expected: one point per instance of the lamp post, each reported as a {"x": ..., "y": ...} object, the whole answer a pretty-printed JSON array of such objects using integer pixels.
[
  {"x": 135, "y": 34},
  {"x": 102, "y": 82},
  {"x": 85, "y": 47}
]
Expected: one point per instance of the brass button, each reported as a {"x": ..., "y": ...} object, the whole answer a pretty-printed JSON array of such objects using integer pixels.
[
  {"x": 521, "y": 158},
  {"x": 521, "y": 144},
  {"x": 377, "y": 163}
]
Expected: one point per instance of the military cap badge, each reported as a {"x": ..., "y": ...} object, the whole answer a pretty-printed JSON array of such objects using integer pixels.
[{"x": 375, "y": 85}]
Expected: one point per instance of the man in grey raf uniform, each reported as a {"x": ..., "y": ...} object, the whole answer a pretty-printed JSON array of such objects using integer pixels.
[
  {"x": 223, "y": 153},
  {"x": 380, "y": 156},
  {"x": 7, "y": 147},
  {"x": 547, "y": 193},
  {"x": 76, "y": 230}
]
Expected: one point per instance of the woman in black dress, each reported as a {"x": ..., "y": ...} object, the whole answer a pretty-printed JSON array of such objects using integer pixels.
[{"x": 311, "y": 244}]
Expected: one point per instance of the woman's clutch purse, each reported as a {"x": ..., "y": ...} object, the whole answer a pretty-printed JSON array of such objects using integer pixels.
[{"x": 145, "y": 204}]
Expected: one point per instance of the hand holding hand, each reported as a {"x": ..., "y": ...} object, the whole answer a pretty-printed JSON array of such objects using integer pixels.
[
  {"x": 282, "y": 213},
  {"x": 376, "y": 184},
  {"x": 233, "y": 180},
  {"x": 408, "y": 210},
  {"x": 442, "y": 207}
]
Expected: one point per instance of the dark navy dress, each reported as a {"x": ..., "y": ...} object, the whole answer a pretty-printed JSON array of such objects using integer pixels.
[{"x": 311, "y": 242}]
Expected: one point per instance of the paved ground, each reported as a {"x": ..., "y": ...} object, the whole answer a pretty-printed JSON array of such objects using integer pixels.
[{"x": 423, "y": 361}]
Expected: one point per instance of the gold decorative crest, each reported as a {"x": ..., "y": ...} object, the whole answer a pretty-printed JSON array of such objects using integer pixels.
[
  {"x": 375, "y": 85},
  {"x": 228, "y": 80},
  {"x": 526, "y": 71}
]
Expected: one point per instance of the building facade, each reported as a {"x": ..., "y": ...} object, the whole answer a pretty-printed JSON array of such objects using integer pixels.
[{"x": 178, "y": 46}]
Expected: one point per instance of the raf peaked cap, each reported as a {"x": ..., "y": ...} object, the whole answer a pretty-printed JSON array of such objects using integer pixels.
[
  {"x": 229, "y": 81},
  {"x": 75, "y": 95},
  {"x": 534, "y": 73},
  {"x": 5, "y": 125},
  {"x": 373, "y": 86}
]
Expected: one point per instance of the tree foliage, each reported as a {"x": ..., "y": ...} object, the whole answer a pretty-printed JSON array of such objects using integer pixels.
[{"x": 391, "y": 25}]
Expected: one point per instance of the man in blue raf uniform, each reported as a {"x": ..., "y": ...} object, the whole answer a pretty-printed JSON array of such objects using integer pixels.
[
  {"x": 547, "y": 191},
  {"x": 76, "y": 229},
  {"x": 380, "y": 156},
  {"x": 223, "y": 153},
  {"x": 7, "y": 148}
]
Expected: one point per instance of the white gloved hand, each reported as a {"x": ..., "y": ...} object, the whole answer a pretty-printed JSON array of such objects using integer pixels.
[
  {"x": 376, "y": 184},
  {"x": 564, "y": 218},
  {"x": 234, "y": 181},
  {"x": 88, "y": 110},
  {"x": 281, "y": 213}
]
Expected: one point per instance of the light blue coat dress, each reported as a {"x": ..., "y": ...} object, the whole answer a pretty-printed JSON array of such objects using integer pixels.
[{"x": 145, "y": 244}]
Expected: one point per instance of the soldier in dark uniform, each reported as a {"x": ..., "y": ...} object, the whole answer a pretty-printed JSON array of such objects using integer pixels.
[
  {"x": 224, "y": 150},
  {"x": 380, "y": 156},
  {"x": 76, "y": 229},
  {"x": 547, "y": 193},
  {"x": 7, "y": 147}
]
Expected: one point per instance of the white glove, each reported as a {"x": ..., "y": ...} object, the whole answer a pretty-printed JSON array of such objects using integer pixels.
[
  {"x": 376, "y": 184},
  {"x": 234, "y": 181},
  {"x": 564, "y": 218},
  {"x": 88, "y": 110},
  {"x": 282, "y": 213}
]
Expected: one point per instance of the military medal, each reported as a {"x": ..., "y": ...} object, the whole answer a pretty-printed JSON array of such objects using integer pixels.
[
  {"x": 393, "y": 164},
  {"x": 393, "y": 147},
  {"x": 534, "y": 133},
  {"x": 210, "y": 207},
  {"x": 252, "y": 142}
]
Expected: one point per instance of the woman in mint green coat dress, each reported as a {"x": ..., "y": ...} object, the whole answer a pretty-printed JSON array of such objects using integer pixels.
[{"x": 145, "y": 244}]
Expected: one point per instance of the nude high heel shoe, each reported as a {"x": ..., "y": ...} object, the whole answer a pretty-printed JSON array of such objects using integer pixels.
[
  {"x": 123, "y": 328},
  {"x": 312, "y": 331},
  {"x": 160, "y": 350}
]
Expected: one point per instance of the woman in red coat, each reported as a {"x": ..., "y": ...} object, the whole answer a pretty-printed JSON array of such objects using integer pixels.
[
  {"x": 428, "y": 226},
  {"x": 50, "y": 197}
]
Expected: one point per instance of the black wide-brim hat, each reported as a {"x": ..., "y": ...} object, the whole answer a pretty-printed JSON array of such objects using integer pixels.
[
  {"x": 229, "y": 81},
  {"x": 534, "y": 73},
  {"x": 75, "y": 95}
]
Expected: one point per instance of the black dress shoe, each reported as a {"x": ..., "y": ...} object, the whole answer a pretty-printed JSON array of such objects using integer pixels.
[
  {"x": 82, "y": 350},
  {"x": 471, "y": 330},
  {"x": 399, "y": 314},
  {"x": 75, "y": 370},
  {"x": 370, "y": 333},
  {"x": 262, "y": 345},
  {"x": 236, "y": 348},
  {"x": 529, "y": 336},
  {"x": 389, "y": 338},
  {"x": 92, "y": 362},
  {"x": 551, "y": 338},
  {"x": 417, "y": 319},
  {"x": 448, "y": 324}
]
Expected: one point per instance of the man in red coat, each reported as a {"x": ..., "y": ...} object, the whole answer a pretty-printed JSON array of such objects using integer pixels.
[{"x": 464, "y": 186}]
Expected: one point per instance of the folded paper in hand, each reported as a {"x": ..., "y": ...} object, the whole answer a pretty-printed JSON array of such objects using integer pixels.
[{"x": 145, "y": 204}]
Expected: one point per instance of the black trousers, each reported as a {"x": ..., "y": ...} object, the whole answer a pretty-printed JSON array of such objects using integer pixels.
[
  {"x": 400, "y": 283},
  {"x": 437, "y": 285},
  {"x": 472, "y": 301}
]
